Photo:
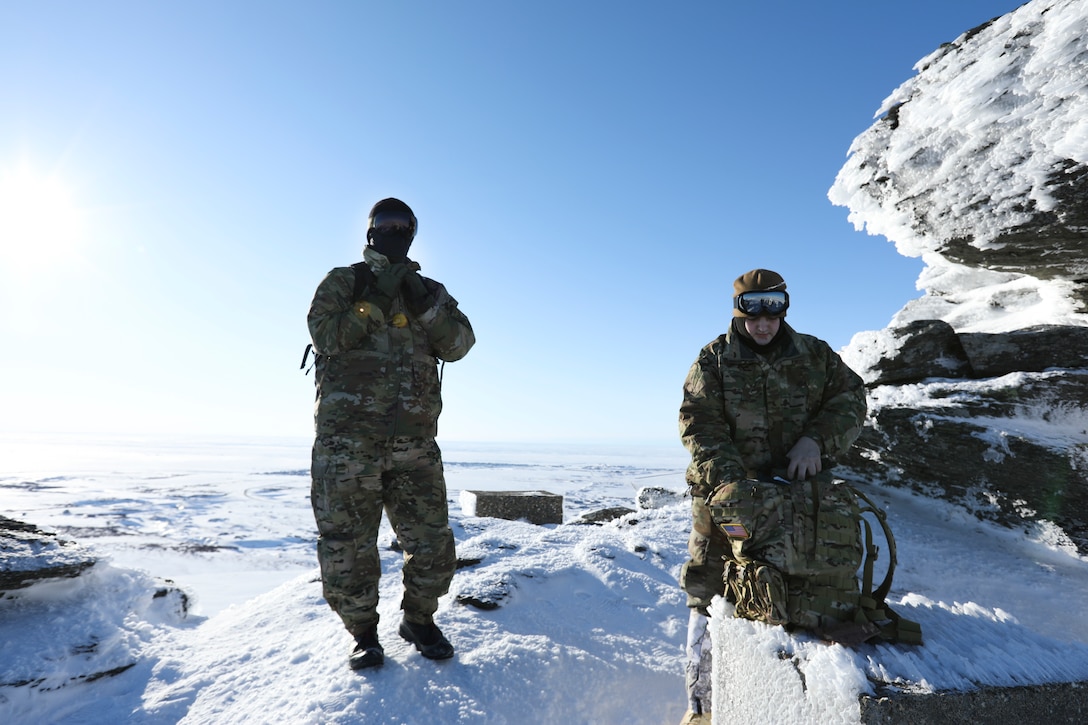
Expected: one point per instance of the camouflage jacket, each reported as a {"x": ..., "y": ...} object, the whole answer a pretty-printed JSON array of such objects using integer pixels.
[
  {"x": 378, "y": 377},
  {"x": 743, "y": 411}
]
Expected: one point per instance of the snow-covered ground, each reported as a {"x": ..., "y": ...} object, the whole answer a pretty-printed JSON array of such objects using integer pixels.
[{"x": 590, "y": 626}]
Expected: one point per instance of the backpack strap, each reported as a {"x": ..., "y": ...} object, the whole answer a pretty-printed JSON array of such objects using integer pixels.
[
  {"x": 881, "y": 592},
  {"x": 305, "y": 355},
  {"x": 364, "y": 276},
  {"x": 892, "y": 627}
]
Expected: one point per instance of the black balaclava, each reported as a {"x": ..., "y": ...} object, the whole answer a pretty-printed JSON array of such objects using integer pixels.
[{"x": 393, "y": 245}]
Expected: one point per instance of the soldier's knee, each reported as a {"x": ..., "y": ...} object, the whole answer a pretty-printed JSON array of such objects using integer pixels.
[
  {"x": 429, "y": 542},
  {"x": 698, "y": 548}
]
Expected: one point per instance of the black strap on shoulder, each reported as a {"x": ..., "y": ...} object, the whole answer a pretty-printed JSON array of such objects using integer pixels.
[
  {"x": 305, "y": 355},
  {"x": 364, "y": 277}
]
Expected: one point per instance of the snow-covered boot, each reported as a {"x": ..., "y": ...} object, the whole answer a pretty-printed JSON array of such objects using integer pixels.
[
  {"x": 696, "y": 718},
  {"x": 428, "y": 639},
  {"x": 368, "y": 650}
]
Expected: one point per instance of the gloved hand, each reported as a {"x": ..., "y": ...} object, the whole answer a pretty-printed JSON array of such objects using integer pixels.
[
  {"x": 417, "y": 297},
  {"x": 386, "y": 284},
  {"x": 804, "y": 459}
]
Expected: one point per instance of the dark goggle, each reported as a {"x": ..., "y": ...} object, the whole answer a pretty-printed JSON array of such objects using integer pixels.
[
  {"x": 770, "y": 303},
  {"x": 393, "y": 221}
]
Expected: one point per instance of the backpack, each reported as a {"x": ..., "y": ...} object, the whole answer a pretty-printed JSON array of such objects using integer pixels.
[{"x": 795, "y": 553}]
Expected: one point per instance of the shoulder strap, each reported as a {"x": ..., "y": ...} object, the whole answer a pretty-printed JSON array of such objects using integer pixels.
[
  {"x": 363, "y": 277},
  {"x": 881, "y": 592},
  {"x": 892, "y": 627}
]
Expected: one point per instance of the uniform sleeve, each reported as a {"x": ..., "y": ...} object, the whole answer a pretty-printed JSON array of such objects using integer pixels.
[
  {"x": 842, "y": 411},
  {"x": 337, "y": 323},
  {"x": 448, "y": 329},
  {"x": 706, "y": 431}
]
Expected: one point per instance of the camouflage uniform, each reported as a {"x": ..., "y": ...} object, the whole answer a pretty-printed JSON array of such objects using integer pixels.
[
  {"x": 376, "y": 416},
  {"x": 741, "y": 414}
]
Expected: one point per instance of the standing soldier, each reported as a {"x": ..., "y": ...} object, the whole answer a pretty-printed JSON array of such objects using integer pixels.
[
  {"x": 379, "y": 330},
  {"x": 760, "y": 400}
]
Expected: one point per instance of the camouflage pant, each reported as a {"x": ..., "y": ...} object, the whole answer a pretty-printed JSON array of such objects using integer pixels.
[
  {"x": 353, "y": 482},
  {"x": 698, "y": 672},
  {"x": 702, "y": 576}
]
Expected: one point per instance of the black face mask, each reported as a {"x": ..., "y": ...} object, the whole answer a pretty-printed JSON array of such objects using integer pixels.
[{"x": 392, "y": 244}]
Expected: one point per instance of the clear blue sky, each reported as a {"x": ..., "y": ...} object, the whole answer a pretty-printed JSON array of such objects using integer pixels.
[{"x": 176, "y": 178}]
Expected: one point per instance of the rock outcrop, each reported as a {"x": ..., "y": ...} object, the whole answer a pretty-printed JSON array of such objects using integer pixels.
[
  {"x": 979, "y": 165},
  {"x": 29, "y": 555},
  {"x": 84, "y": 632}
]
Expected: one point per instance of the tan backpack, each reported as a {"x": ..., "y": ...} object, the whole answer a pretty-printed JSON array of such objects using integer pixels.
[{"x": 796, "y": 553}]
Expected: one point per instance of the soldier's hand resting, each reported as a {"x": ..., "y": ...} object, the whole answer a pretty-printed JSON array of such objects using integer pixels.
[{"x": 804, "y": 459}]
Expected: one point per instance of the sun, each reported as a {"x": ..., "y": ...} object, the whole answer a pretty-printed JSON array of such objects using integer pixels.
[{"x": 40, "y": 222}]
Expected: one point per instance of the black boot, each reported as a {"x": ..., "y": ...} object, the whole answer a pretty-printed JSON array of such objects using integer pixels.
[
  {"x": 368, "y": 651},
  {"x": 428, "y": 639}
]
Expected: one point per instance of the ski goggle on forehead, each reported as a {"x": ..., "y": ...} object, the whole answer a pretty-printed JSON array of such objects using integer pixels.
[
  {"x": 392, "y": 221},
  {"x": 772, "y": 303}
]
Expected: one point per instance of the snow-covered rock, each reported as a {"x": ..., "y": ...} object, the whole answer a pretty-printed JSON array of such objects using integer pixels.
[{"x": 979, "y": 165}]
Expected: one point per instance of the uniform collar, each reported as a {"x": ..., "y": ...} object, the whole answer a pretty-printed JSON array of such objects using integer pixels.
[
  {"x": 375, "y": 259},
  {"x": 779, "y": 346}
]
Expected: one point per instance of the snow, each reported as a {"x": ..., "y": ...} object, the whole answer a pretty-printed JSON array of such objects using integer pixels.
[{"x": 590, "y": 626}]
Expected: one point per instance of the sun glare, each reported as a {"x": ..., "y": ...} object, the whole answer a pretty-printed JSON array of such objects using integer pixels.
[{"x": 39, "y": 219}]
